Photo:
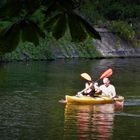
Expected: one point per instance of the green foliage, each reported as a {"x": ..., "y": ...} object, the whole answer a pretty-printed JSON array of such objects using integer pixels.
[
  {"x": 30, "y": 32},
  {"x": 8, "y": 42},
  {"x": 49, "y": 24},
  {"x": 4, "y": 24},
  {"x": 27, "y": 51},
  {"x": 66, "y": 11},
  {"x": 88, "y": 50},
  {"x": 60, "y": 27},
  {"x": 22, "y": 26},
  {"x": 123, "y": 29},
  {"x": 84, "y": 49},
  {"x": 89, "y": 9},
  {"x": 91, "y": 31},
  {"x": 23, "y": 30},
  {"x": 97, "y": 10},
  {"x": 22, "y": 15},
  {"x": 14, "y": 8},
  {"x": 74, "y": 23},
  {"x": 22, "y": 20},
  {"x": 47, "y": 47},
  {"x": 38, "y": 16}
]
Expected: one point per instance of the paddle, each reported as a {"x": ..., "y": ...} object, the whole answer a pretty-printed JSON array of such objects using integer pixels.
[
  {"x": 105, "y": 74},
  {"x": 86, "y": 76}
]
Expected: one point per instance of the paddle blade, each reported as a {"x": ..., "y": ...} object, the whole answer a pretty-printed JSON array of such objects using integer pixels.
[
  {"x": 86, "y": 76},
  {"x": 107, "y": 73}
]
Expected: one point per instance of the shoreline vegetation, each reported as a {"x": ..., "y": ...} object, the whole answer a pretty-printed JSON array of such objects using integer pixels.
[
  {"x": 118, "y": 24},
  {"x": 111, "y": 46}
]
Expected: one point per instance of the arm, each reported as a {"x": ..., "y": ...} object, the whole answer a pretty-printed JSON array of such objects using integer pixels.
[
  {"x": 97, "y": 88},
  {"x": 87, "y": 87},
  {"x": 113, "y": 94}
]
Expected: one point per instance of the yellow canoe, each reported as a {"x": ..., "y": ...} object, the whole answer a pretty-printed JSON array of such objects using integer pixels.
[{"x": 92, "y": 100}]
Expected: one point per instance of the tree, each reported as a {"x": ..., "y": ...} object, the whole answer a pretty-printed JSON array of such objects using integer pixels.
[{"x": 60, "y": 16}]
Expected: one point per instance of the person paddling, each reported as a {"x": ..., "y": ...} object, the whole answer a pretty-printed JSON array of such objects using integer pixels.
[
  {"x": 108, "y": 89},
  {"x": 89, "y": 89}
]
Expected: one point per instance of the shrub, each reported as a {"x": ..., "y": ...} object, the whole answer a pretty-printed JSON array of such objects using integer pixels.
[{"x": 123, "y": 29}]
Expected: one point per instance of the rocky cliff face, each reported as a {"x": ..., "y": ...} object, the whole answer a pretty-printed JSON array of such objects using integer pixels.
[{"x": 112, "y": 46}]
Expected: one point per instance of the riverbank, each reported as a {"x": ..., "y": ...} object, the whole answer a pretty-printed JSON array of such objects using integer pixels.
[{"x": 109, "y": 46}]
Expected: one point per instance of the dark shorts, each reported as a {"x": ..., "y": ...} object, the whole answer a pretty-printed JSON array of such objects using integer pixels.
[{"x": 91, "y": 93}]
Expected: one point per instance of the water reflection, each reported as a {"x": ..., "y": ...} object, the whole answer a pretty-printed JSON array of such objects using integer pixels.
[
  {"x": 90, "y": 122},
  {"x": 29, "y": 94}
]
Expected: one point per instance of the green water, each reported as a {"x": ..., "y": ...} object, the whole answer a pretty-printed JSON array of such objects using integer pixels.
[{"x": 30, "y": 94}]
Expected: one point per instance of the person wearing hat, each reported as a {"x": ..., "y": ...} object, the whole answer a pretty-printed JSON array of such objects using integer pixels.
[
  {"x": 107, "y": 89},
  {"x": 92, "y": 89},
  {"x": 89, "y": 88}
]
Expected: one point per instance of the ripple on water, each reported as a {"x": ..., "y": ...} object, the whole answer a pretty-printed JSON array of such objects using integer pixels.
[
  {"x": 131, "y": 107},
  {"x": 132, "y": 101},
  {"x": 128, "y": 115}
]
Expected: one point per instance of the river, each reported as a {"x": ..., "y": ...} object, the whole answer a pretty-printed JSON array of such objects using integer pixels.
[{"x": 30, "y": 107}]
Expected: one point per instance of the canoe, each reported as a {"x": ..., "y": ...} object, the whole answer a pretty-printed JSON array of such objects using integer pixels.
[{"x": 92, "y": 100}]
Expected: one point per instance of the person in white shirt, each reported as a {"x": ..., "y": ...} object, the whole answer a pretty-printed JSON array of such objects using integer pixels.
[{"x": 107, "y": 89}]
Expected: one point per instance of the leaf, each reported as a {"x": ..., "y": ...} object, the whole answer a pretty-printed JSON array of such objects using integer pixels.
[
  {"x": 30, "y": 32},
  {"x": 89, "y": 28},
  {"x": 60, "y": 27},
  {"x": 37, "y": 29},
  {"x": 31, "y": 5},
  {"x": 49, "y": 24},
  {"x": 51, "y": 7},
  {"x": 77, "y": 32},
  {"x": 9, "y": 38}
]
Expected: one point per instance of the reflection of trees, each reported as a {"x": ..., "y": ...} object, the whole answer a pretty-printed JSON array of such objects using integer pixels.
[
  {"x": 89, "y": 122},
  {"x": 2, "y": 74}
]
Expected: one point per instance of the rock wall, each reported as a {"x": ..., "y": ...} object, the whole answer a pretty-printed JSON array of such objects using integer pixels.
[{"x": 112, "y": 46}]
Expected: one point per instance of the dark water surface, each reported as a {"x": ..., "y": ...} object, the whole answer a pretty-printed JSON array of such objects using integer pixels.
[{"x": 29, "y": 95}]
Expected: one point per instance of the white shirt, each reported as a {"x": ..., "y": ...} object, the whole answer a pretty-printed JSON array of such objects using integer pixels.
[{"x": 108, "y": 90}]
